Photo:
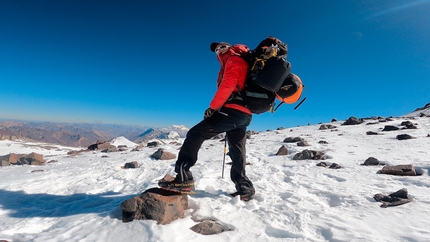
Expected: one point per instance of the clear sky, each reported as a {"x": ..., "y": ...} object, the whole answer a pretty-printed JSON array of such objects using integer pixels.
[{"x": 149, "y": 63}]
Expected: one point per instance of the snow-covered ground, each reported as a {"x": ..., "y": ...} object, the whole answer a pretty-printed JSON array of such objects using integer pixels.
[{"x": 78, "y": 197}]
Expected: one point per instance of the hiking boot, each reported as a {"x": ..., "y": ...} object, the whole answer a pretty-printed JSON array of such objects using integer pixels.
[
  {"x": 183, "y": 183},
  {"x": 186, "y": 187},
  {"x": 243, "y": 197}
]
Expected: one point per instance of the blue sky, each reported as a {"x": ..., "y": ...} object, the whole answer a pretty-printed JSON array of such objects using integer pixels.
[{"x": 149, "y": 63}]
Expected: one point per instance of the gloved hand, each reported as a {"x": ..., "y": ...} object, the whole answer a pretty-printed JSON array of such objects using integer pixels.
[{"x": 208, "y": 113}]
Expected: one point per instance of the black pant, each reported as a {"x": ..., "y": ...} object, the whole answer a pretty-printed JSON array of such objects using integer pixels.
[{"x": 234, "y": 123}]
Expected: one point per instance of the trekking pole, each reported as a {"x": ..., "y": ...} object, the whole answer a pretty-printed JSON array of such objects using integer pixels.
[{"x": 225, "y": 151}]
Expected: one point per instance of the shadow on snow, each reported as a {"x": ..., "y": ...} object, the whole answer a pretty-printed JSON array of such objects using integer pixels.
[{"x": 23, "y": 205}]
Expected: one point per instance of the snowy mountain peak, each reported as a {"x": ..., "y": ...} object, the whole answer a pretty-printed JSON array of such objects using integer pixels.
[
  {"x": 122, "y": 141},
  {"x": 180, "y": 127}
]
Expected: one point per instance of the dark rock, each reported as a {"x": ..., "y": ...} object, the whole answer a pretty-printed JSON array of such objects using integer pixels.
[
  {"x": 282, "y": 151},
  {"x": 208, "y": 227},
  {"x": 394, "y": 199},
  {"x": 400, "y": 170},
  {"x": 323, "y": 142},
  {"x": 34, "y": 171},
  {"x": 411, "y": 127},
  {"x": 22, "y": 159},
  {"x": 131, "y": 165},
  {"x": 303, "y": 143},
  {"x": 103, "y": 146},
  {"x": 152, "y": 144},
  {"x": 371, "y": 133},
  {"x": 335, "y": 166},
  {"x": 353, "y": 121},
  {"x": 404, "y": 137},
  {"x": 293, "y": 140},
  {"x": 390, "y": 128},
  {"x": 99, "y": 145},
  {"x": 110, "y": 148},
  {"x": 323, "y": 164},
  {"x": 327, "y": 126},
  {"x": 11, "y": 158},
  {"x": 33, "y": 159},
  {"x": 155, "y": 204},
  {"x": 309, "y": 155},
  {"x": 402, "y": 193},
  {"x": 160, "y": 154},
  {"x": 371, "y": 161},
  {"x": 406, "y": 123}
]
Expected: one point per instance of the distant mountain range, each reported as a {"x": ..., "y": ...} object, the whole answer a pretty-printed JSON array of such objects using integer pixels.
[{"x": 82, "y": 135}]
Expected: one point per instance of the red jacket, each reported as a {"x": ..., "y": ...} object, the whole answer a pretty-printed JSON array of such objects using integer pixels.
[{"x": 233, "y": 73}]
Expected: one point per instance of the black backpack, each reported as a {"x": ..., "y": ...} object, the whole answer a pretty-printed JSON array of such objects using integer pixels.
[{"x": 269, "y": 70}]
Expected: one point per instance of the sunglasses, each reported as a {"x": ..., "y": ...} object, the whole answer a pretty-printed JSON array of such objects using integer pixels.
[{"x": 221, "y": 49}]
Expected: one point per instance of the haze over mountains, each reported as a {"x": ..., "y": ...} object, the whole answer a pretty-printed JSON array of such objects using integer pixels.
[{"x": 82, "y": 135}]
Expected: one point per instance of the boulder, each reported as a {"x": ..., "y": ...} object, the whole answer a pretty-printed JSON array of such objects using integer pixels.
[
  {"x": 394, "y": 199},
  {"x": 334, "y": 166},
  {"x": 155, "y": 204},
  {"x": 152, "y": 144},
  {"x": 371, "y": 161},
  {"x": 110, "y": 148},
  {"x": 293, "y": 139},
  {"x": 103, "y": 146},
  {"x": 399, "y": 170},
  {"x": 161, "y": 154},
  {"x": 371, "y": 133},
  {"x": 131, "y": 165},
  {"x": 390, "y": 128},
  {"x": 11, "y": 158},
  {"x": 208, "y": 227},
  {"x": 303, "y": 143},
  {"x": 353, "y": 121},
  {"x": 309, "y": 155},
  {"x": 32, "y": 159},
  {"x": 22, "y": 159},
  {"x": 404, "y": 137},
  {"x": 282, "y": 151},
  {"x": 326, "y": 126},
  {"x": 407, "y": 123}
]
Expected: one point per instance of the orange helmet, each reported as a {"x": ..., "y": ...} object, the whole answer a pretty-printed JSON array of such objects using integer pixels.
[{"x": 291, "y": 89}]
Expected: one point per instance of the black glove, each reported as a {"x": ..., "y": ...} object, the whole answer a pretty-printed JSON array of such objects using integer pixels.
[{"x": 208, "y": 113}]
